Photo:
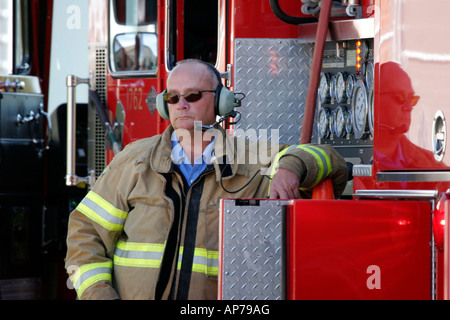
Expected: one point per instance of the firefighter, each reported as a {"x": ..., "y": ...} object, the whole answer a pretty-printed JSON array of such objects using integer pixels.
[{"x": 148, "y": 228}]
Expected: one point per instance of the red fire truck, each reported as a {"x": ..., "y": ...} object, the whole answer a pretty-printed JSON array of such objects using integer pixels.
[{"x": 367, "y": 77}]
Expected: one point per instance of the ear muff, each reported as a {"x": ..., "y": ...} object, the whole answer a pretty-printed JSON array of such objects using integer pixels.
[
  {"x": 225, "y": 101},
  {"x": 161, "y": 105}
]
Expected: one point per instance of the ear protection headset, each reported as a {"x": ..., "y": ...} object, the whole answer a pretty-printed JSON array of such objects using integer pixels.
[{"x": 224, "y": 101}]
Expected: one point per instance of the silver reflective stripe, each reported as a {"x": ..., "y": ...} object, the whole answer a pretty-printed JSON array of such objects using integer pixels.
[
  {"x": 138, "y": 254},
  {"x": 206, "y": 262},
  {"x": 202, "y": 261},
  {"x": 149, "y": 255},
  {"x": 133, "y": 254},
  {"x": 90, "y": 274},
  {"x": 102, "y": 212}
]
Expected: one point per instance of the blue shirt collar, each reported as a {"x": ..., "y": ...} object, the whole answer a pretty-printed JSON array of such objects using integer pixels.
[{"x": 178, "y": 156}]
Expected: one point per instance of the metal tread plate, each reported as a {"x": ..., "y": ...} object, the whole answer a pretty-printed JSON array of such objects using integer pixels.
[
  {"x": 251, "y": 266},
  {"x": 274, "y": 76}
]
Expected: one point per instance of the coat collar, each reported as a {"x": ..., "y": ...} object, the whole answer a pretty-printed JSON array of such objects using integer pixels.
[{"x": 224, "y": 159}]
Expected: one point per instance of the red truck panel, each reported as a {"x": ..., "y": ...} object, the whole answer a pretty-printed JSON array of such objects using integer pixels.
[{"x": 359, "y": 250}]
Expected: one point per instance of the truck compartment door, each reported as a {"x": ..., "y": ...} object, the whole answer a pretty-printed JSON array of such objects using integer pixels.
[{"x": 325, "y": 249}]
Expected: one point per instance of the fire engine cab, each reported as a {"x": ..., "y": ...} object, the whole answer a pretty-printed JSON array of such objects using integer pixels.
[{"x": 79, "y": 81}]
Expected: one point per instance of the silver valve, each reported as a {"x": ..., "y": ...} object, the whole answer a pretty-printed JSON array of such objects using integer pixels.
[{"x": 13, "y": 85}]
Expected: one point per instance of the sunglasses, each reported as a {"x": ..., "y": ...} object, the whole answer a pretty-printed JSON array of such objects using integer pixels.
[{"x": 190, "y": 96}]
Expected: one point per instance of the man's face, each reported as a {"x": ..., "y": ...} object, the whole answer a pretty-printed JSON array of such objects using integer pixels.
[
  {"x": 185, "y": 78},
  {"x": 397, "y": 98}
]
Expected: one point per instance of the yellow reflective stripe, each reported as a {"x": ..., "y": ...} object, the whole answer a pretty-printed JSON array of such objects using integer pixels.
[
  {"x": 132, "y": 254},
  {"x": 102, "y": 212},
  {"x": 149, "y": 255},
  {"x": 323, "y": 162},
  {"x": 137, "y": 246},
  {"x": 89, "y": 274},
  {"x": 205, "y": 261},
  {"x": 212, "y": 262}
]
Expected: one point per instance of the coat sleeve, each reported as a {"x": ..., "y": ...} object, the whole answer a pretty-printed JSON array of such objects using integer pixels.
[
  {"x": 313, "y": 164},
  {"x": 87, "y": 261},
  {"x": 94, "y": 228}
]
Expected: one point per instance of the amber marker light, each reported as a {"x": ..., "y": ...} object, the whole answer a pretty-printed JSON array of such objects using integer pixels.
[{"x": 358, "y": 57}]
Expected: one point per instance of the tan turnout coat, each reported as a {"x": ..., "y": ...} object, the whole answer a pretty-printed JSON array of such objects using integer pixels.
[{"x": 127, "y": 238}]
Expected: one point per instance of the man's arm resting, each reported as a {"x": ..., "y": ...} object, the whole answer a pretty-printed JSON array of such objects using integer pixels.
[{"x": 312, "y": 164}]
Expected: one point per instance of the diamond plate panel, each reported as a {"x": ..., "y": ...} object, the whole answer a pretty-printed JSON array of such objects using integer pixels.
[
  {"x": 252, "y": 252},
  {"x": 274, "y": 75}
]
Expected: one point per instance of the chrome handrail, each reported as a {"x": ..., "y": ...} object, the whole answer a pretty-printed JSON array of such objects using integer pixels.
[{"x": 71, "y": 178}]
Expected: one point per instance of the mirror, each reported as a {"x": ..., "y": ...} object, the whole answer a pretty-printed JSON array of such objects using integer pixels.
[{"x": 135, "y": 52}]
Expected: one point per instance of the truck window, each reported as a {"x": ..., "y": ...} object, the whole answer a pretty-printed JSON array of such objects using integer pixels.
[
  {"x": 192, "y": 28},
  {"x": 133, "y": 39},
  {"x": 200, "y": 30}
]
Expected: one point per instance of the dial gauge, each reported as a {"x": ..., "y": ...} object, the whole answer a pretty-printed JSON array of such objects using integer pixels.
[
  {"x": 369, "y": 74},
  {"x": 333, "y": 87},
  {"x": 340, "y": 121},
  {"x": 332, "y": 124},
  {"x": 371, "y": 114},
  {"x": 360, "y": 107},
  {"x": 348, "y": 122},
  {"x": 341, "y": 96},
  {"x": 324, "y": 88},
  {"x": 362, "y": 73},
  {"x": 324, "y": 123},
  {"x": 351, "y": 79}
]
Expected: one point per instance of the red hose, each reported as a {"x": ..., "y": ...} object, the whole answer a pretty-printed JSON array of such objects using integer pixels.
[
  {"x": 325, "y": 189},
  {"x": 316, "y": 68}
]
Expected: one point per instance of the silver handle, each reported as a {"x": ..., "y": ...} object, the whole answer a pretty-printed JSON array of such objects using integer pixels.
[{"x": 71, "y": 178}]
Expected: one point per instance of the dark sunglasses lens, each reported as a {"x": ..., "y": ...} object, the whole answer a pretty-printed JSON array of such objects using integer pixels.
[
  {"x": 193, "y": 96},
  {"x": 174, "y": 98},
  {"x": 171, "y": 98}
]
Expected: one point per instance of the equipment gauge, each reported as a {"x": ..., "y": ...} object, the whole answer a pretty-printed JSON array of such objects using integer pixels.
[
  {"x": 351, "y": 79},
  {"x": 348, "y": 122},
  {"x": 360, "y": 106},
  {"x": 332, "y": 123},
  {"x": 371, "y": 115},
  {"x": 324, "y": 88},
  {"x": 369, "y": 74},
  {"x": 341, "y": 96},
  {"x": 333, "y": 87},
  {"x": 340, "y": 121},
  {"x": 324, "y": 123}
]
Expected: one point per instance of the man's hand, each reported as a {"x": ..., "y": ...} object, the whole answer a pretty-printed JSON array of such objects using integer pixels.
[{"x": 284, "y": 185}]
